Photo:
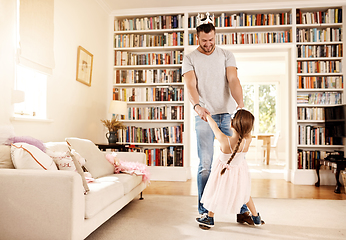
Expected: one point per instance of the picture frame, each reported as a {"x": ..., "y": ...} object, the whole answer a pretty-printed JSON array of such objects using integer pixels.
[{"x": 84, "y": 66}]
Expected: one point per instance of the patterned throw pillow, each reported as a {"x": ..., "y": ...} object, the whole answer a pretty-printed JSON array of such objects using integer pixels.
[{"x": 26, "y": 156}]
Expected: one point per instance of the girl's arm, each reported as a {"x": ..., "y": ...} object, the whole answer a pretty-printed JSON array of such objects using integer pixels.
[{"x": 220, "y": 136}]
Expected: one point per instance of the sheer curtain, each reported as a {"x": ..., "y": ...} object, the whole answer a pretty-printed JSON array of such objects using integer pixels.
[{"x": 36, "y": 34}]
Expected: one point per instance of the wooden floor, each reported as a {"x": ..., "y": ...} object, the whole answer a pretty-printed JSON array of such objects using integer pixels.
[{"x": 263, "y": 188}]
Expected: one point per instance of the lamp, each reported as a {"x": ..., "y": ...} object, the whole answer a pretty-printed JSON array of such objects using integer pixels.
[{"x": 118, "y": 107}]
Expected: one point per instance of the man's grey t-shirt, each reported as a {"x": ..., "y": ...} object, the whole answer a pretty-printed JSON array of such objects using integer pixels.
[{"x": 212, "y": 84}]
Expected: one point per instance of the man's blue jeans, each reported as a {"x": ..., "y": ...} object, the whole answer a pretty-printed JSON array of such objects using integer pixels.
[{"x": 205, "y": 149}]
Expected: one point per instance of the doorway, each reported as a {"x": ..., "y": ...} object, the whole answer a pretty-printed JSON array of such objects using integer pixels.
[{"x": 260, "y": 72}]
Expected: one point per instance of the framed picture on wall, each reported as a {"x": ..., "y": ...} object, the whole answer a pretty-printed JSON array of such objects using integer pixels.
[{"x": 84, "y": 66}]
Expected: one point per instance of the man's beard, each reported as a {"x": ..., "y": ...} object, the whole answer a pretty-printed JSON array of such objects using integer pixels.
[{"x": 206, "y": 50}]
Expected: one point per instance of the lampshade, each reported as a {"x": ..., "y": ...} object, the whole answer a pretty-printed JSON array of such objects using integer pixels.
[
  {"x": 18, "y": 96},
  {"x": 118, "y": 107}
]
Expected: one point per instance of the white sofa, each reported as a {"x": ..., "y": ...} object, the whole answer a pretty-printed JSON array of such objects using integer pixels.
[{"x": 38, "y": 204}]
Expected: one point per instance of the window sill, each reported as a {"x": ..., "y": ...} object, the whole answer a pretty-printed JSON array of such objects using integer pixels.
[{"x": 30, "y": 119}]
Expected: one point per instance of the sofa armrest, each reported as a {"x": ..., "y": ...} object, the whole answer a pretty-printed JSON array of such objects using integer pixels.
[
  {"x": 36, "y": 204},
  {"x": 132, "y": 157}
]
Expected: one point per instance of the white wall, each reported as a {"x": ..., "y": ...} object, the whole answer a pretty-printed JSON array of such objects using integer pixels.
[{"x": 75, "y": 108}]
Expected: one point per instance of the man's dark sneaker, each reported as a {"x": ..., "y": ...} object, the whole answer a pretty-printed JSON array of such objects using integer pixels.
[
  {"x": 245, "y": 218},
  {"x": 206, "y": 221}
]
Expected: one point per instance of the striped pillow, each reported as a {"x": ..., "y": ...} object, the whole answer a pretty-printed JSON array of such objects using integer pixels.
[{"x": 26, "y": 156}]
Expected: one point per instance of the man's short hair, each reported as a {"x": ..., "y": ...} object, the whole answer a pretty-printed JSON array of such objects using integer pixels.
[{"x": 205, "y": 28}]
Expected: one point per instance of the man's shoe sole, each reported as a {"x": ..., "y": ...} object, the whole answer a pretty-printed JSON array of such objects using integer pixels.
[{"x": 204, "y": 227}]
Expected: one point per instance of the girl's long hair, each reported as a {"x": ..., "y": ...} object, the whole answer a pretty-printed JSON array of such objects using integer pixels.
[{"x": 242, "y": 122}]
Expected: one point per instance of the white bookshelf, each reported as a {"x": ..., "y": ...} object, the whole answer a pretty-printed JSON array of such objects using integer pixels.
[{"x": 288, "y": 27}]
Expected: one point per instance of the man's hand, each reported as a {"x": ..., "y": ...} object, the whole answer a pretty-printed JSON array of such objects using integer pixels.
[{"x": 202, "y": 112}]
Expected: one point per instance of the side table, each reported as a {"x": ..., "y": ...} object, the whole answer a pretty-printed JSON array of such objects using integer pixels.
[
  {"x": 118, "y": 146},
  {"x": 337, "y": 167}
]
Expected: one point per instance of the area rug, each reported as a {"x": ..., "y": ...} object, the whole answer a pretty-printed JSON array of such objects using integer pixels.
[{"x": 166, "y": 217}]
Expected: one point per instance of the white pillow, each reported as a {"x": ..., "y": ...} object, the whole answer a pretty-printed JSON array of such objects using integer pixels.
[
  {"x": 96, "y": 162},
  {"x": 26, "y": 156},
  {"x": 63, "y": 160}
]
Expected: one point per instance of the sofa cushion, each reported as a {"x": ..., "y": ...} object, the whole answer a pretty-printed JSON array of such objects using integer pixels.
[
  {"x": 5, "y": 157},
  {"x": 103, "y": 192},
  {"x": 96, "y": 162},
  {"x": 26, "y": 156},
  {"x": 129, "y": 181}
]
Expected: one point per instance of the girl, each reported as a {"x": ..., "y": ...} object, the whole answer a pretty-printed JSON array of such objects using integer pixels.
[{"x": 229, "y": 184}]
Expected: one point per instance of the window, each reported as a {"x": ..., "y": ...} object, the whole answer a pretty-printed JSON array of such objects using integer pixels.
[
  {"x": 34, "y": 86},
  {"x": 260, "y": 99}
]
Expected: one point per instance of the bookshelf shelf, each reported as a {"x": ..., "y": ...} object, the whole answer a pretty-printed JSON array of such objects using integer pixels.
[
  {"x": 165, "y": 66},
  {"x": 156, "y": 103},
  {"x": 148, "y": 84},
  {"x": 150, "y": 31},
  {"x": 150, "y": 49},
  {"x": 152, "y": 121},
  {"x": 319, "y": 43},
  {"x": 320, "y": 74},
  {"x": 319, "y": 58},
  {"x": 320, "y": 90},
  {"x": 320, "y": 146}
]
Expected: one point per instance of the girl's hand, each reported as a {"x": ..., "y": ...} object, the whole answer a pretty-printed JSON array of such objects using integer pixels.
[{"x": 202, "y": 112}]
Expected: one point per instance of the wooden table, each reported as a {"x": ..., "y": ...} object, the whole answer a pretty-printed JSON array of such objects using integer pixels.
[
  {"x": 266, "y": 142},
  {"x": 337, "y": 166},
  {"x": 121, "y": 147}
]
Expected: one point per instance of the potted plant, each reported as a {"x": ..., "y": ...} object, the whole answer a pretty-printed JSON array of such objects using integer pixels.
[{"x": 113, "y": 126}]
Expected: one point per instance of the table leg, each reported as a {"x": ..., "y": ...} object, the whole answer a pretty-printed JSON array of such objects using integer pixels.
[
  {"x": 268, "y": 150},
  {"x": 338, "y": 184},
  {"x": 318, "y": 165}
]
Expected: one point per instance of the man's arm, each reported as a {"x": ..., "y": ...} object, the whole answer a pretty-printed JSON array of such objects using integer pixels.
[
  {"x": 191, "y": 85},
  {"x": 234, "y": 86}
]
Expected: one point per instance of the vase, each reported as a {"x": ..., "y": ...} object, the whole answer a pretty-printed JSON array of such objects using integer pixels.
[{"x": 112, "y": 137}]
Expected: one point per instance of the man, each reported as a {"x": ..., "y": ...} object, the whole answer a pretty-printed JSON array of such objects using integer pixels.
[{"x": 210, "y": 74}]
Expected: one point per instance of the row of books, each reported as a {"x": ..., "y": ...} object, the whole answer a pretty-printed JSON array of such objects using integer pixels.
[
  {"x": 247, "y": 38},
  {"x": 148, "y": 94},
  {"x": 316, "y": 51},
  {"x": 146, "y": 40},
  {"x": 156, "y": 113},
  {"x": 170, "y": 156},
  {"x": 310, "y": 113},
  {"x": 319, "y": 35},
  {"x": 308, "y": 159},
  {"x": 123, "y": 58},
  {"x": 311, "y": 135},
  {"x": 150, "y": 23},
  {"x": 244, "y": 19},
  {"x": 148, "y": 76},
  {"x": 331, "y": 15},
  {"x": 319, "y": 98},
  {"x": 319, "y": 66},
  {"x": 137, "y": 134},
  {"x": 329, "y": 82}
]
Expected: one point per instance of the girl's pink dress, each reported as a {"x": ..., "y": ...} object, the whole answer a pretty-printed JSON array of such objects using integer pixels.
[{"x": 228, "y": 192}]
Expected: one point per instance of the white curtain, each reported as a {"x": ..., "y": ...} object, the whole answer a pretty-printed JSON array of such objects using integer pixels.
[{"x": 36, "y": 32}]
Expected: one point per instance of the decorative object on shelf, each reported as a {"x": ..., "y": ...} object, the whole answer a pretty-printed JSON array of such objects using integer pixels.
[
  {"x": 116, "y": 107},
  {"x": 84, "y": 66}
]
